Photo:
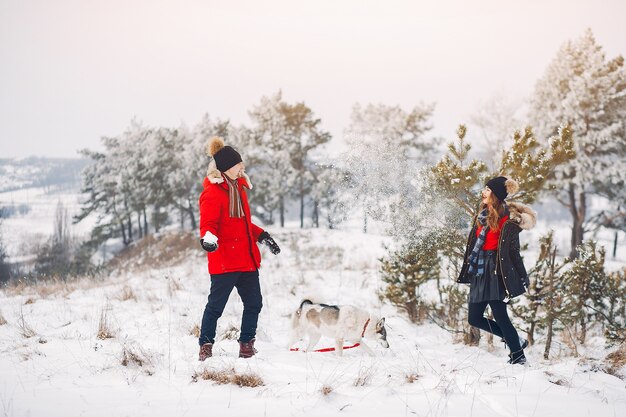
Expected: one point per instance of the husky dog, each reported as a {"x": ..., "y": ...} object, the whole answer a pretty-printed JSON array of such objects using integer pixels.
[{"x": 336, "y": 322}]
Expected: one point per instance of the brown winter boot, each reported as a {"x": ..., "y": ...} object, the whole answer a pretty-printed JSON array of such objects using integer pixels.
[
  {"x": 206, "y": 351},
  {"x": 247, "y": 350}
]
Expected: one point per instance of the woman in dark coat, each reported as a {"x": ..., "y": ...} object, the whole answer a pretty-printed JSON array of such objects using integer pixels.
[{"x": 492, "y": 264}]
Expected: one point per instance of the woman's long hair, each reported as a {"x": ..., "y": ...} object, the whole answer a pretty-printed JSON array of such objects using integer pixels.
[{"x": 495, "y": 210}]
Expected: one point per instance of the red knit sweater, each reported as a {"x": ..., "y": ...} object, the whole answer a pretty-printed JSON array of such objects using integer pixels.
[{"x": 491, "y": 239}]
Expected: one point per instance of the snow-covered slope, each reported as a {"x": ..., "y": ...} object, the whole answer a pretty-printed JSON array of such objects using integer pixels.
[{"x": 149, "y": 366}]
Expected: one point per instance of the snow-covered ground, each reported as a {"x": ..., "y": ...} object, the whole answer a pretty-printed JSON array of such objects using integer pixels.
[
  {"x": 64, "y": 369},
  {"x": 22, "y": 232}
]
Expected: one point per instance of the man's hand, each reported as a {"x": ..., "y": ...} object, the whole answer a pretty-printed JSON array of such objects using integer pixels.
[
  {"x": 267, "y": 240},
  {"x": 209, "y": 242}
]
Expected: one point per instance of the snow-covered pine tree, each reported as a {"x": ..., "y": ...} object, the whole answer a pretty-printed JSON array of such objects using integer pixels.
[
  {"x": 55, "y": 256},
  {"x": 386, "y": 142},
  {"x": 288, "y": 133},
  {"x": 557, "y": 303},
  {"x": 191, "y": 161},
  {"x": 544, "y": 306},
  {"x": 615, "y": 311},
  {"x": 326, "y": 192},
  {"x": 161, "y": 160},
  {"x": 457, "y": 176},
  {"x": 5, "y": 270},
  {"x": 584, "y": 90},
  {"x": 586, "y": 280},
  {"x": 405, "y": 271},
  {"x": 495, "y": 118},
  {"x": 531, "y": 164},
  {"x": 614, "y": 215},
  {"x": 101, "y": 194}
]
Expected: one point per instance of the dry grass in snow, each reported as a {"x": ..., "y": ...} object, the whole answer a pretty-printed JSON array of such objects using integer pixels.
[{"x": 228, "y": 376}]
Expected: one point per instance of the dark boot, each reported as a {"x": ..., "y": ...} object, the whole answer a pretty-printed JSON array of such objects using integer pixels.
[
  {"x": 246, "y": 349},
  {"x": 206, "y": 351},
  {"x": 522, "y": 342},
  {"x": 517, "y": 358}
]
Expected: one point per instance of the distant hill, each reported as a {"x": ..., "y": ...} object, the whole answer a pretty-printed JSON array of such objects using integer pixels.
[{"x": 16, "y": 174}]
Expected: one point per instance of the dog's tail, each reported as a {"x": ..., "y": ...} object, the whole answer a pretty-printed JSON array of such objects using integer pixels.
[{"x": 304, "y": 302}]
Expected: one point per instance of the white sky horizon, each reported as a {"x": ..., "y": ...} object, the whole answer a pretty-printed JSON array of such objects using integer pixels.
[{"x": 74, "y": 71}]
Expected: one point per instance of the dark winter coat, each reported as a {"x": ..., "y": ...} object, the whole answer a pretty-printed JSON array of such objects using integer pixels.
[
  {"x": 236, "y": 237},
  {"x": 509, "y": 264}
]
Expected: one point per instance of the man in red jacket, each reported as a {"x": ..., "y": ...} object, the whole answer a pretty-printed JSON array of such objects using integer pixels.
[{"x": 230, "y": 238}]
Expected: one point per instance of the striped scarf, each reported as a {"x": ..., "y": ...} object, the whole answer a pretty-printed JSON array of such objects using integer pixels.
[
  {"x": 477, "y": 257},
  {"x": 235, "y": 208}
]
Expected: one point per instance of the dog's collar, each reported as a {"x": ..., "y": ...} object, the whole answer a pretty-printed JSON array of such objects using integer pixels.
[{"x": 365, "y": 327}]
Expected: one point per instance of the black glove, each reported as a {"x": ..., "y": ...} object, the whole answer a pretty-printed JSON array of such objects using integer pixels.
[
  {"x": 267, "y": 240},
  {"x": 208, "y": 246}
]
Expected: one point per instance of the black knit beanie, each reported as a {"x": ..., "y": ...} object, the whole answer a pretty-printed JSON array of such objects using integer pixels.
[
  {"x": 498, "y": 187},
  {"x": 226, "y": 158}
]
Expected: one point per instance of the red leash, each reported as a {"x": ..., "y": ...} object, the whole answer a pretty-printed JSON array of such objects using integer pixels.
[{"x": 332, "y": 349}]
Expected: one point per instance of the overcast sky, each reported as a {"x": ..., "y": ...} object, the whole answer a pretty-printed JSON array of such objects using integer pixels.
[{"x": 73, "y": 71}]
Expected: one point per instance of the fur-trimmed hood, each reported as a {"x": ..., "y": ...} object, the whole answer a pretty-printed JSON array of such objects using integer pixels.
[
  {"x": 215, "y": 176},
  {"x": 523, "y": 215}
]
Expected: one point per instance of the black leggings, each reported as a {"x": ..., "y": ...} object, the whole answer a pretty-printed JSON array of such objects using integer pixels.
[{"x": 502, "y": 327}]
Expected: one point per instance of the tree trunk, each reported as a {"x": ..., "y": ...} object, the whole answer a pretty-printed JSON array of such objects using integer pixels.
[
  {"x": 302, "y": 210},
  {"x": 364, "y": 221},
  {"x": 578, "y": 210},
  {"x": 316, "y": 217},
  {"x": 550, "y": 306},
  {"x": 301, "y": 202},
  {"x": 123, "y": 229},
  {"x": 282, "y": 211},
  {"x": 546, "y": 351},
  {"x": 531, "y": 333},
  {"x": 192, "y": 216},
  {"x": 139, "y": 224},
  {"x": 129, "y": 225},
  {"x": 583, "y": 328},
  {"x": 615, "y": 245},
  {"x": 145, "y": 222}
]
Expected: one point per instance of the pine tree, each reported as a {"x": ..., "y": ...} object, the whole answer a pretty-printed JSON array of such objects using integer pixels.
[
  {"x": 457, "y": 176},
  {"x": 616, "y": 307},
  {"x": 5, "y": 270},
  {"x": 531, "y": 164},
  {"x": 584, "y": 90},
  {"x": 405, "y": 271},
  {"x": 586, "y": 280},
  {"x": 386, "y": 142},
  {"x": 288, "y": 133},
  {"x": 495, "y": 118},
  {"x": 547, "y": 300},
  {"x": 55, "y": 256},
  {"x": 326, "y": 192}
]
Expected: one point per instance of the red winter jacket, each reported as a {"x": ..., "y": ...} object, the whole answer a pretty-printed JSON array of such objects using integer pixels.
[{"x": 236, "y": 237}]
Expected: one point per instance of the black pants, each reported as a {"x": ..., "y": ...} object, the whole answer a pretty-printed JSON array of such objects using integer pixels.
[
  {"x": 249, "y": 289},
  {"x": 502, "y": 327}
]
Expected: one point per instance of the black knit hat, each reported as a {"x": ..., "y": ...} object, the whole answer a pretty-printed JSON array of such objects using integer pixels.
[
  {"x": 226, "y": 158},
  {"x": 498, "y": 187}
]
